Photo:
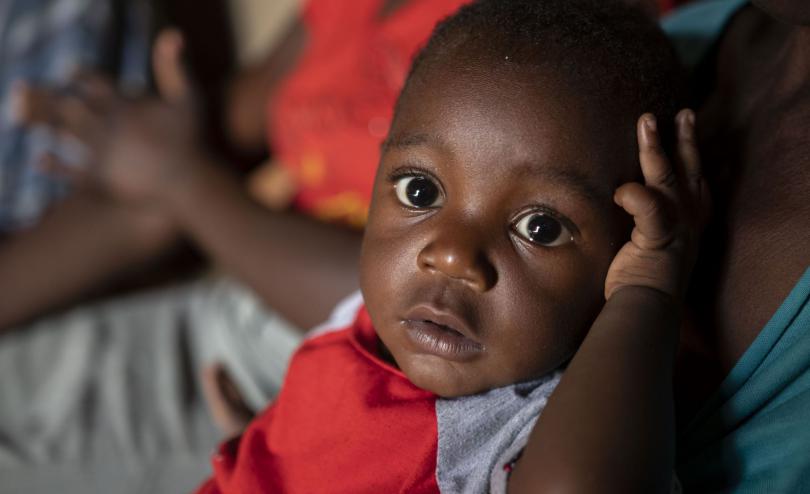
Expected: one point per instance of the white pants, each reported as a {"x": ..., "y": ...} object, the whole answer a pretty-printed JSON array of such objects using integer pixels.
[{"x": 106, "y": 398}]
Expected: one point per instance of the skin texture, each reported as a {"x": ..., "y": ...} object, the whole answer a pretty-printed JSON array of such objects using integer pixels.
[{"x": 795, "y": 12}]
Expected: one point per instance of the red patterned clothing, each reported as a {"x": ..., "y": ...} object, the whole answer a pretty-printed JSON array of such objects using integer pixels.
[{"x": 329, "y": 117}]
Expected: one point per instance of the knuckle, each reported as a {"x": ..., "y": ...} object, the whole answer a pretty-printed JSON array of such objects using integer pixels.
[
  {"x": 669, "y": 178},
  {"x": 652, "y": 208}
]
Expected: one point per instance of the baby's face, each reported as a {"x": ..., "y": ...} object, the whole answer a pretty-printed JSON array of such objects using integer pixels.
[{"x": 492, "y": 227}]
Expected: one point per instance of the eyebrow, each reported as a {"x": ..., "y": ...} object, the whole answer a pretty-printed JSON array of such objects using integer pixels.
[
  {"x": 401, "y": 141},
  {"x": 579, "y": 183}
]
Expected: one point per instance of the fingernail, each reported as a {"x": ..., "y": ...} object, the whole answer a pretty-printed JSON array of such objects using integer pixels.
[
  {"x": 650, "y": 123},
  {"x": 686, "y": 124}
]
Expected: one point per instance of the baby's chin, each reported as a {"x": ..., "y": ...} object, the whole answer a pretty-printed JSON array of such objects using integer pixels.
[{"x": 448, "y": 379}]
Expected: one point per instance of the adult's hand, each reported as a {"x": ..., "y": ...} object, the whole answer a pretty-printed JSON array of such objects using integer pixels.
[{"x": 132, "y": 148}]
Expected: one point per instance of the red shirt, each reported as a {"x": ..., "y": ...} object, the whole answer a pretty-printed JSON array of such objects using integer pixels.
[
  {"x": 344, "y": 422},
  {"x": 331, "y": 114}
]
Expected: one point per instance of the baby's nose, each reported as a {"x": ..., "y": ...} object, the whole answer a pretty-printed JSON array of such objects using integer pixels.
[{"x": 459, "y": 254}]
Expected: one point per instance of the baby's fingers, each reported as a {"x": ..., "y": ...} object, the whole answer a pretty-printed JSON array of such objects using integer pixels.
[
  {"x": 687, "y": 150},
  {"x": 655, "y": 166},
  {"x": 696, "y": 186},
  {"x": 653, "y": 223}
]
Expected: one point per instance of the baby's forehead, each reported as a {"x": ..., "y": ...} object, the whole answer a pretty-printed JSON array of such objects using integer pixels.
[
  {"x": 530, "y": 114},
  {"x": 493, "y": 82}
]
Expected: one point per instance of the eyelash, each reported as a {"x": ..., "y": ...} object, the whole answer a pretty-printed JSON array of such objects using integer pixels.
[
  {"x": 410, "y": 171},
  {"x": 565, "y": 223},
  {"x": 546, "y": 210},
  {"x": 397, "y": 175}
]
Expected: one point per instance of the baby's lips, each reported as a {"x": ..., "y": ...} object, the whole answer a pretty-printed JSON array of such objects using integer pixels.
[{"x": 442, "y": 317}]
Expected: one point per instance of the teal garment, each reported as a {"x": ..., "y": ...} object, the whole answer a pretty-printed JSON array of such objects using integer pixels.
[
  {"x": 753, "y": 434},
  {"x": 693, "y": 29}
]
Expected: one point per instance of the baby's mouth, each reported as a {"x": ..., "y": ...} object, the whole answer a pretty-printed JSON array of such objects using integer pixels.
[
  {"x": 441, "y": 341},
  {"x": 442, "y": 334},
  {"x": 443, "y": 320},
  {"x": 443, "y": 327}
]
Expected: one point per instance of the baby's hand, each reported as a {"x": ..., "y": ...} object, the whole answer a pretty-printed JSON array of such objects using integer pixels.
[{"x": 669, "y": 211}]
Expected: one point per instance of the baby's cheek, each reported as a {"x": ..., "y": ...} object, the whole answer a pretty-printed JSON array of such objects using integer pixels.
[
  {"x": 373, "y": 278},
  {"x": 384, "y": 271},
  {"x": 529, "y": 353},
  {"x": 557, "y": 352},
  {"x": 566, "y": 324}
]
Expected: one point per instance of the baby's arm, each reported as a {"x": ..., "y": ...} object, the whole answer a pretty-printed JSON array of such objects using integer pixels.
[{"x": 609, "y": 426}]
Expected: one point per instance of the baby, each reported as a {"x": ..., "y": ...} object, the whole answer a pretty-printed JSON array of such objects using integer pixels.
[{"x": 496, "y": 254}]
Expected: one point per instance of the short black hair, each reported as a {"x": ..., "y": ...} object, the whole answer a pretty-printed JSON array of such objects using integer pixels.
[{"x": 606, "y": 48}]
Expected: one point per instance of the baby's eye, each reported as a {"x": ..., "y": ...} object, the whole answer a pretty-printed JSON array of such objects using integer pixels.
[
  {"x": 543, "y": 229},
  {"x": 418, "y": 191}
]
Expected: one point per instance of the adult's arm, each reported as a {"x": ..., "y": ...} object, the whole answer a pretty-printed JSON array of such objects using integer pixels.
[
  {"x": 83, "y": 243},
  {"x": 87, "y": 241},
  {"x": 297, "y": 265}
]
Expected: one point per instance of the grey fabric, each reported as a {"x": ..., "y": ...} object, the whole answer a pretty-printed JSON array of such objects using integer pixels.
[
  {"x": 480, "y": 434},
  {"x": 107, "y": 398}
]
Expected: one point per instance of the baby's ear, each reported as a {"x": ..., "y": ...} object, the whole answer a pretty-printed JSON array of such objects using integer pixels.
[{"x": 170, "y": 76}]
